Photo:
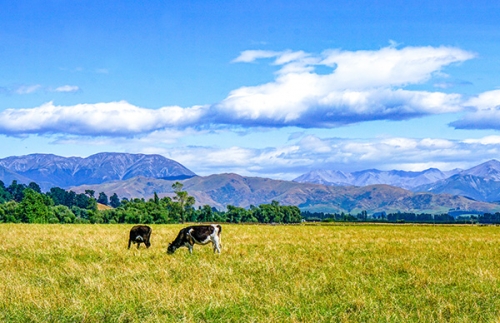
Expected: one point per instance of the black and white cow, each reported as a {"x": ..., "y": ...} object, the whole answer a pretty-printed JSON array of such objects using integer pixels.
[
  {"x": 197, "y": 234},
  {"x": 140, "y": 234}
]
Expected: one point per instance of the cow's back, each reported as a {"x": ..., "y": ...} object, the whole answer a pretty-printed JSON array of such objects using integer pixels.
[{"x": 140, "y": 230}]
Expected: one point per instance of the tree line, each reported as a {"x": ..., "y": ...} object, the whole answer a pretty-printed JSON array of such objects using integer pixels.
[
  {"x": 405, "y": 217},
  {"x": 21, "y": 203}
]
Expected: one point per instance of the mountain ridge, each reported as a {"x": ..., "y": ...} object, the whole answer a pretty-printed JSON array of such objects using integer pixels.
[
  {"x": 481, "y": 182},
  {"x": 50, "y": 170}
]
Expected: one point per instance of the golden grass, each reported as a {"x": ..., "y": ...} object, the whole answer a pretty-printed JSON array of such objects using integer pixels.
[
  {"x": 102, "y": 207},
  {"x": 84, "y": 273}
]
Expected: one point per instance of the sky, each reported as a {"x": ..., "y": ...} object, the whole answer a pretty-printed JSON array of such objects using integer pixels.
[{"x": 259, "y": 88}]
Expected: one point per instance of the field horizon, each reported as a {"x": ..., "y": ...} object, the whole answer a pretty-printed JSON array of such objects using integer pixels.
[{"x": 266, "y": 273}]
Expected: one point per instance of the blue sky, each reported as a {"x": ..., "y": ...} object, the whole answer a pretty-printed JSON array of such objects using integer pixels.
[{"x": 260, "y": 88}]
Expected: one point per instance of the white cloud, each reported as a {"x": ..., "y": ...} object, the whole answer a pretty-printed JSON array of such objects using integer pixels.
[
  {"x": 359, "y": 86},
  {"x": 312, "y": 152},
  {"x": 109, "y": 119},
  {"x": 30, "y": 89},
  {"x": 249, "y": 56},
  {"x": 363, "y": 86},
  {"x": 484, "y": 112},
  {"x": 67, "y": 88},
  {"x": 27, "y": 89}
]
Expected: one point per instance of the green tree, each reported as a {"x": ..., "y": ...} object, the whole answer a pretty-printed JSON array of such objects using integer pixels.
[
  {"x": 83, "y": 201},
  {"x": 4, "y": 194},
  {"x": 90, "y": 193},
  {"x": 16, "y": 191},
  {"x": 58, "y": 195},
  {"x": 35, "y": 187},
  {"x": 33, "y": 207},
  {"x": 114, "y": 201},
  {"x": 62, "y": 214},
  {"x": 10, "y": 211},
  {"x": 103, "y": 198},
  {"x": 183, "y": 199}
]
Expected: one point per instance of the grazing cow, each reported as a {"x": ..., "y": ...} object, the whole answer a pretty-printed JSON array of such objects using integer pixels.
[
  {"x": 140, "y": 234},
  {"x": 197, "y": 234}
]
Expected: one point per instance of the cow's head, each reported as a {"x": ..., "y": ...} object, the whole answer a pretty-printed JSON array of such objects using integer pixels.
[{"x": 171, "y": 249}]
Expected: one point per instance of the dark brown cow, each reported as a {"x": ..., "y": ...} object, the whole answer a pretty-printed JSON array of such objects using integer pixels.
[
  {"x": 140, "y": 234},
  {"x": 197, "y": 234}
]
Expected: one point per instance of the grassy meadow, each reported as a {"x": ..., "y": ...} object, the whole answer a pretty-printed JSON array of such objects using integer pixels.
[{"x": 296, "y": 273}]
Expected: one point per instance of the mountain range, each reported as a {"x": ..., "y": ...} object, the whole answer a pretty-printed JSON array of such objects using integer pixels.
[
  {"x": 481, "y": 182},
  {"x": 232, "y": 189},
  {"x": 140, "y": 176},
  {"x": 50, "y": 170},
  {"x": 403, "y": 179}
]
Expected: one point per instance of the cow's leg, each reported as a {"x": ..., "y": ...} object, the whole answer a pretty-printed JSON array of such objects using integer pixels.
[
  {"x": 190, "y": 247},
  {"x": 216, "y": 244},
  {"x": 129, "y": 242},
  {"x": 138, "y": 245}
]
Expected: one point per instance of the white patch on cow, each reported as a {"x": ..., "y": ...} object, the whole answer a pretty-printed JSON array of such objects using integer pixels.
[
  {"x": 217, "y": 243},
  {"x": 214, "y": 238}
]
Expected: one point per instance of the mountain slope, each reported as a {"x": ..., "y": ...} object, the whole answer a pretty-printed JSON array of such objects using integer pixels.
[
  {"x": 471, "y": 186},
  {"x": 6, "y": 176},
  {"x": 51, "y": 170},
  {"x": 489, "y": 170},
  {"x": 481, "y": 182},
  {"x": 397, "y": 178}
]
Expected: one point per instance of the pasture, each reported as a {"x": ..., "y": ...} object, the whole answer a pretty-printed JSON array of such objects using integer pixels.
[{"x": 299, "y": 273}]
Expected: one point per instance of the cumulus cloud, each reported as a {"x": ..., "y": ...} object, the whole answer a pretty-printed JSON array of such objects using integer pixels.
[
  {"x": 358, "y": 86},
  {"x": 484, "y": 112},
  {"x": 413, "y": 154},
  {"x": 108, "y": 119},
  {"x": 362, "y": 86}
]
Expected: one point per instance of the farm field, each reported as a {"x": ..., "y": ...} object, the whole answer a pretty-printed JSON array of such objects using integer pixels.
[{"x": 295, "y": 273}]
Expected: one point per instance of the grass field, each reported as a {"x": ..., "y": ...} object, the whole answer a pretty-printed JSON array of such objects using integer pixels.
[{"x": 303, "y": 273}]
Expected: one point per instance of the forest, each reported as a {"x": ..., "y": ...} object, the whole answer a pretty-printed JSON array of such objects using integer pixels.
[{"x": 21, "y": 203}]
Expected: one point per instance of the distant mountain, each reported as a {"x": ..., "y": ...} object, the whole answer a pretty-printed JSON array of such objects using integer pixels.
[
  {"x": 489, "y": 170},
  {"x": 231, "y": 189},
  {"x": 481, "y": 182},
  {"x": 51, "y": 170},
  {"x": 6, "y": 176},
  {"x": 403, "y": 179}
]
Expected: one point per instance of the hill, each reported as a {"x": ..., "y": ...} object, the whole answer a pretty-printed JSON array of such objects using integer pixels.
[{"x": 232, "y": 189}]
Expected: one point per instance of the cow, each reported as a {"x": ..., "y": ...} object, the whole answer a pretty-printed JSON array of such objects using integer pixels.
[
  {"x": 197, "y": 234},
  {"x": 140, "y": 234}
]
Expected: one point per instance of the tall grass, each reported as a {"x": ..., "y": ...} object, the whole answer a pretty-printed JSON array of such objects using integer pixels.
[{"x": 84, "y": 273}]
